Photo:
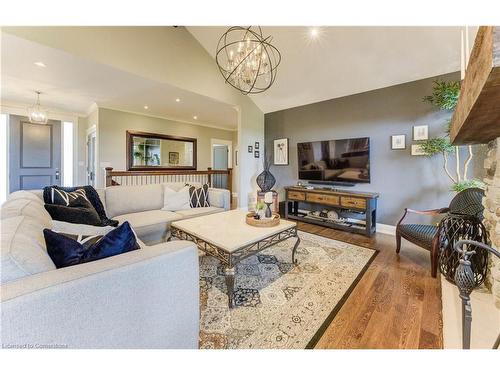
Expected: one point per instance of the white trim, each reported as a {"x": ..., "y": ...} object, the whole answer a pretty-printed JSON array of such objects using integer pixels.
[
  {"x": 172, "y": 119},
  {"x": 386, "y": 229},
  {"x": 20, "y": 109},
  {"x": 93, "y": 107}
]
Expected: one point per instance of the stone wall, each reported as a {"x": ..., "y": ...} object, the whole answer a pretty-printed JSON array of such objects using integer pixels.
[{"x": 492, "y": 213}]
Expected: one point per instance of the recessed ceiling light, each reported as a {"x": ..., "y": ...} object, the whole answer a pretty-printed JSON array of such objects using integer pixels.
[
  {"x": 177, "y": 100},
  {"x": 146, "y": 107},
  {"x": 40, "y": 64},
  {"x": 314, "y": 32},
  {"x": 195, "y": 117}
]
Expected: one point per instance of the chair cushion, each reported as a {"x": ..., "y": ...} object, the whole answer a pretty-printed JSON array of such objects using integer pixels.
[
  {"x": 23, "y": 251},
  {"x": 149, "y": 224},
  {"x": 420, "y": 233},
  {"x": 199, "y": 211}
]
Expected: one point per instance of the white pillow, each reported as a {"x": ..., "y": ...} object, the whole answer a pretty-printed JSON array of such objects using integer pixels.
[{"x": 176, "y": 200}]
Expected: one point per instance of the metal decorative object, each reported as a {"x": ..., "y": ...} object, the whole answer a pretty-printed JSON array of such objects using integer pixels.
[
  {"x": 466, "y": 282},
  {"x": 266, "y": 180},
  {"x": 247, "y": 60},
  {"x": 452, "y": 229}
]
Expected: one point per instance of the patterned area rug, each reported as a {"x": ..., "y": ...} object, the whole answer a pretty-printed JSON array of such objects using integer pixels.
[{"x": 279, "y": 305}]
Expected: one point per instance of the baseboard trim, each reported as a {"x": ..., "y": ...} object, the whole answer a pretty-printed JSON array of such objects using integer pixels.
[{"x": 386, "y": 229}]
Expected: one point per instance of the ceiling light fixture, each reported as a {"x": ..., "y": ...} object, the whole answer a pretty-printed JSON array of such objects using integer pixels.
[
  {"x": 177, "y": 100},
  {"x": 146, "y": 107},
  {"x": 314, "y": 32},
  {"x": 247, "y": 60},
  {"x": 195, "y": 117},
  {"x": 36, "y": 113},
  {"x": 40, "y": 64}
]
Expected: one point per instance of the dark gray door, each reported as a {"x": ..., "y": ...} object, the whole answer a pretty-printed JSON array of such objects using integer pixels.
[
  {"x": 34, "y": 155},
  {"x": 220, "y": 162}
]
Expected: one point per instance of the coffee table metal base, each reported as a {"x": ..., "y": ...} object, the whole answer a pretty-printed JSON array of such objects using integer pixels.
[{"x": 229, "y": 259}]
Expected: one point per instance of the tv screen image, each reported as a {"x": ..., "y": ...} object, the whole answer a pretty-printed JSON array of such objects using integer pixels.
[{"x": 341, "y": 160}]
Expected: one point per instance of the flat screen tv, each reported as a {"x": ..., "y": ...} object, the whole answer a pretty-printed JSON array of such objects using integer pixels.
[{"x": 336, "y": 161}]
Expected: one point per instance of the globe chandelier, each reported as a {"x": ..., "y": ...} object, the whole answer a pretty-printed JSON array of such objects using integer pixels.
[{"x": 247, "y": 60}]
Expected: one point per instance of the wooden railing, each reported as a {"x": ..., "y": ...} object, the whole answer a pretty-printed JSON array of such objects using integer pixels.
[{"x": 213, "y": 177}]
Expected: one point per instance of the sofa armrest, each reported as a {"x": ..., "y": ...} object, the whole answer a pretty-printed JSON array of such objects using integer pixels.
[
  {"x": 219, "y": 198},
  {"x": 147, "y": 298}
]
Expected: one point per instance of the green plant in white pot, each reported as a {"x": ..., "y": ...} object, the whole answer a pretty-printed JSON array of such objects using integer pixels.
[{"x": 445, "y": 97}]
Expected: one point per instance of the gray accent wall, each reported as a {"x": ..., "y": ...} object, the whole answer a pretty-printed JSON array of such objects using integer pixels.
[{"x": 401, "y": 179}]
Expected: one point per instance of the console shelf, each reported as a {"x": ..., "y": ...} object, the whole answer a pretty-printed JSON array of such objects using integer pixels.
[{"x": 361, "y": 204}]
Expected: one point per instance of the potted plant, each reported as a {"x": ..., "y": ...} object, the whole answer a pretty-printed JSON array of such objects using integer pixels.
[{"x": 445, "y": 97}]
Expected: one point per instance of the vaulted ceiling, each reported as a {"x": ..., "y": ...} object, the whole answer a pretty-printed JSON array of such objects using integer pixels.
[{"x": 342, "y": 61}]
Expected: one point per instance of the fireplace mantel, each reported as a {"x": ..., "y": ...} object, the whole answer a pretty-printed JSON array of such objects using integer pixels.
[{"x": 477, "y": 115}]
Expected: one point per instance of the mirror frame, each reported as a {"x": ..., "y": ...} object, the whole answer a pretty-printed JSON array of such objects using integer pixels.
[{"x": 131, "y": 134}]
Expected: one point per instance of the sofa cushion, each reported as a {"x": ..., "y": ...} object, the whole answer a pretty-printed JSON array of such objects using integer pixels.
[
  {"x": 199, "y": 196},
  {"x": 199, "y": 211},
  {"x": 23, "y": 251},
  {"x": 69, "y": 249},
  {"x": 25, "y": 194},
  {"x": 27, "y": 207},
  {"x": 150, "y": 226},
  {"x": 128, "y": 199},
  {"x": 77, "y": 215},
  {"x": 83, "y": 229},
  {"x": 176, "y": 200}
]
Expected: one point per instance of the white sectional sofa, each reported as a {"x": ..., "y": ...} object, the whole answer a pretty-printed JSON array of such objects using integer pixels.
[{"x": 148, "y": 298}]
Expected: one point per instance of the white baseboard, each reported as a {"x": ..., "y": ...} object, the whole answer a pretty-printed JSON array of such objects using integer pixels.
[{"x": 386, "y": 229}]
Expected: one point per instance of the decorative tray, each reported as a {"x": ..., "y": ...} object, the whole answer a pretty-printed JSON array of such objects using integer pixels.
[{"x": 265, "y": 222}]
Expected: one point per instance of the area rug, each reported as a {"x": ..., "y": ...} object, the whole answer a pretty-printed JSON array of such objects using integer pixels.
[{"x": 278, "y": 304}]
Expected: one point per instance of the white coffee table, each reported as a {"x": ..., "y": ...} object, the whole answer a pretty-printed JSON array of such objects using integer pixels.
[{"x": 228, "y": 237}]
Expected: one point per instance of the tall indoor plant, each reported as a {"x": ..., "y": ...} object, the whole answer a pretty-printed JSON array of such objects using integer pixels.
[{"x": 445, "y": 97}]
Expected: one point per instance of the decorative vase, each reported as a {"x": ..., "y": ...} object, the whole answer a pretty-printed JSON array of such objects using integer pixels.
[
  {"x": 266, "y": 180},
  {"x": 268, "y": 210}
]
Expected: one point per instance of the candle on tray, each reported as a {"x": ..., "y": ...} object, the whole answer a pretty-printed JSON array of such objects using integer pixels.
[{"x": 268, "y": 197}]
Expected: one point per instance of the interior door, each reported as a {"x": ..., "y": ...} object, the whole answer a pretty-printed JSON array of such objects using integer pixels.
[
  {"x": 221, "y": 163},
  {"x": 35, "y": 154},
  {"x": 91, "y": 159}
]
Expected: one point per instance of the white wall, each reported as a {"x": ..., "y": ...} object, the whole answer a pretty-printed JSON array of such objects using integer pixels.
[{"x": 165, "y": 54}]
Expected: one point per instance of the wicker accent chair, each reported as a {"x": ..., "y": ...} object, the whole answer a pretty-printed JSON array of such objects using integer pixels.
[{"x": 467, "y": 202}]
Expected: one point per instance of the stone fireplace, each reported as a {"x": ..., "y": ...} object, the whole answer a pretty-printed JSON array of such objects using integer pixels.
[{"x": 492, "y": 213}]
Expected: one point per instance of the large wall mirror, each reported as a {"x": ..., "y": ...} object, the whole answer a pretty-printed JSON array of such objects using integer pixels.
[{"x": 150, "y": 151}]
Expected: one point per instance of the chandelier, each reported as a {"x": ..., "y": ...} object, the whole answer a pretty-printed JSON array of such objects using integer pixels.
[
  {"x": 247, "y": 60},
  {"x": 36, "y": 113}
]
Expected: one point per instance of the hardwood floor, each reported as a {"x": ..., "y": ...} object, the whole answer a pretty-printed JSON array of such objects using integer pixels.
[{"x": 396, "y": 304}]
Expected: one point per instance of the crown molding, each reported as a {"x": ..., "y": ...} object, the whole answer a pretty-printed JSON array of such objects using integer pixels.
[
  {"x": 20, "y": 109},
  {"x": 171, "y": 119}
]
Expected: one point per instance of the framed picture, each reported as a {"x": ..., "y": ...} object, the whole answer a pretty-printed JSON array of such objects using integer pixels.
[
  {"x": 416, "y": 150},
  {"x": 281, "y": 151},
  {"x": 256, "y": 154},
  {"x": 398, "y": 142},
  {"x": 250, "y": 149},
  {"x": 257, "y": 145},
  {"x": 173, "y": 158},
  {"x": 421, "y": 132}
]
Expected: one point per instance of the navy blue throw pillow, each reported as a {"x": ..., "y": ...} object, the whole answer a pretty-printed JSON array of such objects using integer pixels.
[{"x": 67, "y": 249}]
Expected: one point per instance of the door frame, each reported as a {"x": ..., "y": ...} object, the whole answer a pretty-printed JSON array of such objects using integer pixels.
[
  {"x": 19, "y": 109},
  {"x": 91, "y": 130},
  {"x": 223, "y": 142}
]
